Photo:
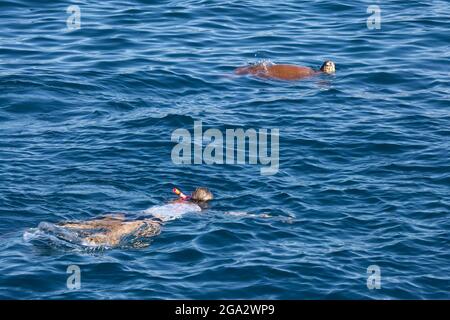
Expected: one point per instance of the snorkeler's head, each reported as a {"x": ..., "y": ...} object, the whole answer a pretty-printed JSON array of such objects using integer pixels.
[
  {"x": 201, "y": 195},
  {"x": 328, "y": 67}
]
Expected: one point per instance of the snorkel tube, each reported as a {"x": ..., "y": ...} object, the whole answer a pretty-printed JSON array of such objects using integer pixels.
[{"x": 181, "y": 194}]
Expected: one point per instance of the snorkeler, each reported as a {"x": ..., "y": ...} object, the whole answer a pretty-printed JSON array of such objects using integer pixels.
[
  {"x": 284, "y": 71},
  {"x": 110, "y": 230}
]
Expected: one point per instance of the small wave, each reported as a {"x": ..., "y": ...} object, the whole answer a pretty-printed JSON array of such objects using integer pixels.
[
  {"x": 262, "y": 62},
  {"x": 49, "y": 235}
]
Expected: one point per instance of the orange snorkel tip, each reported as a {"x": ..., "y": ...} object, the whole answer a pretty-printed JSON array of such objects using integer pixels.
[{"x": 180, "y": 194}]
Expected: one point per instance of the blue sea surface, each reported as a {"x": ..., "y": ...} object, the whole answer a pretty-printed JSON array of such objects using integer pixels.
[{"x": 86, "y": 118}]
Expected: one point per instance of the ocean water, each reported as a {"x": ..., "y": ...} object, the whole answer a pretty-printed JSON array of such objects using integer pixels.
[{"x": 86, "y": 118}]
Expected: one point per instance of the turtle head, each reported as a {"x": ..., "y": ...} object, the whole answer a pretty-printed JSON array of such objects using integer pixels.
[{"x": 328, "y": 67}]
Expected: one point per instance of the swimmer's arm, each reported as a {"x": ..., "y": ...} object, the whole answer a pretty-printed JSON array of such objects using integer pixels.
[
  {"x": 247, "y": 215},
  {"x": 261, "y": 216},
  {"x": 177, "y": 201}
]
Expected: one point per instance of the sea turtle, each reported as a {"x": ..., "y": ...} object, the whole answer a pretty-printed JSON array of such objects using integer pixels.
[{"x": 284, "y": 71}]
